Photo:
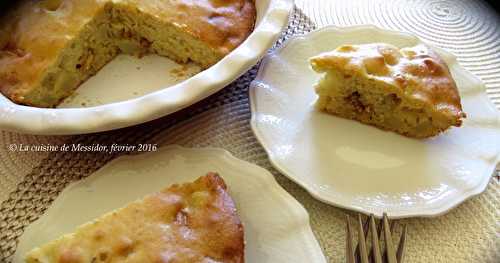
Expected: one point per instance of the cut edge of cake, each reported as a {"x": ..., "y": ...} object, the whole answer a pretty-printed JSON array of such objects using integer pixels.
[{"x": 102, "y": 39}]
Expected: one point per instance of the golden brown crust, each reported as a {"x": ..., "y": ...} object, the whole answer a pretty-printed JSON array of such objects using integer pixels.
[
  {"x": 417, "y": 72},
  {"x": 223, "y": 24},
  {"x": 194, "y": 222},
  {"x": 33, "y": 35}
]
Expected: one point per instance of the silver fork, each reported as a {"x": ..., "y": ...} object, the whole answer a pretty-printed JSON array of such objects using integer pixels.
[{"x": 370, "y": 231}]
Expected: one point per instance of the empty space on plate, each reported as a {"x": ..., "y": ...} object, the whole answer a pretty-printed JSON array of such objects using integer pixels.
[{"x": 128, "y": 77}]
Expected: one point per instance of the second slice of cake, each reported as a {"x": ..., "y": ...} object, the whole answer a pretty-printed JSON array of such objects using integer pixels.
[
  {"x": 409, "y": 91},
  {"x": 192, "y": 222}
]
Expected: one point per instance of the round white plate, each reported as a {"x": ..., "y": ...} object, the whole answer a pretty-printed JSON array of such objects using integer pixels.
[
  {"x": 359, "y": 167},
  {"x": 276, "y": 225},
  {"x": 130, "y": 91}
]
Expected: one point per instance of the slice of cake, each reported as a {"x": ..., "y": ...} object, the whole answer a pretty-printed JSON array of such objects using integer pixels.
[
  {"x": 409, "y": 91},
  {"x": 49, "y": 47},
  {"x": 193, "y": 222}
]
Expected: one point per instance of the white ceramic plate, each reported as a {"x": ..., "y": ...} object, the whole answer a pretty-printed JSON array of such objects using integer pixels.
[
  {"x": 130, "y": 91},
  {"x": 276, "y": 225},
  {"x": 359, "y": 167}
]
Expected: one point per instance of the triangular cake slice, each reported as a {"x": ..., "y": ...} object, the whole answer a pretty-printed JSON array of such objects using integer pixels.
[
  {"x": 193, "y": 222},
  {"x": 409, "y": 91}
]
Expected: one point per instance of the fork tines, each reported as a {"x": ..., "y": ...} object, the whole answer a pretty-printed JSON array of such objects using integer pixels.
[{"x": 369, "y": 231}]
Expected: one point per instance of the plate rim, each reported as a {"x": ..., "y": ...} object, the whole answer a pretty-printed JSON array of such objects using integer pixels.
[
  {"x": 71, "y": 121},
  {"x": 315, "y": 192},
  {"x": 293, "y": 206}
]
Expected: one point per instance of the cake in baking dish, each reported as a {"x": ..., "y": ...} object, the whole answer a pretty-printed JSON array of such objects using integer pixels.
[
  {"x": 49, "y": 47},
  {"x": 193, "y": 222},
  {"x": 409, "y": 91}
]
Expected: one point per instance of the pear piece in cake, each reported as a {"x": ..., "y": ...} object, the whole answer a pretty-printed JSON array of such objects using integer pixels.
[{"x": 409, "y": 91}]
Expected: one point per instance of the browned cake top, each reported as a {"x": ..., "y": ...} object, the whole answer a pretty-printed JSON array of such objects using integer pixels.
[
  {"x": 416, "y": 71},
  {"x": 33, "y": 33},
  {"x": 194, "y": 222}
]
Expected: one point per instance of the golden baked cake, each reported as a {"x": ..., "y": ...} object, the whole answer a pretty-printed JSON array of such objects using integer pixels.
[
  {"x": 49, "y": 47},
  {"x": 409, "y": 91},
  {"x": 193, "y": 222}
]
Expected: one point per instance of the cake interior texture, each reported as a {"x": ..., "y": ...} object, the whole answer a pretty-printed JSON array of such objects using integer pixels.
[
  {"x": 408, "y": 91},
  {"x": 49, "y": 47},
  {"x": 192, "y": 222}
]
